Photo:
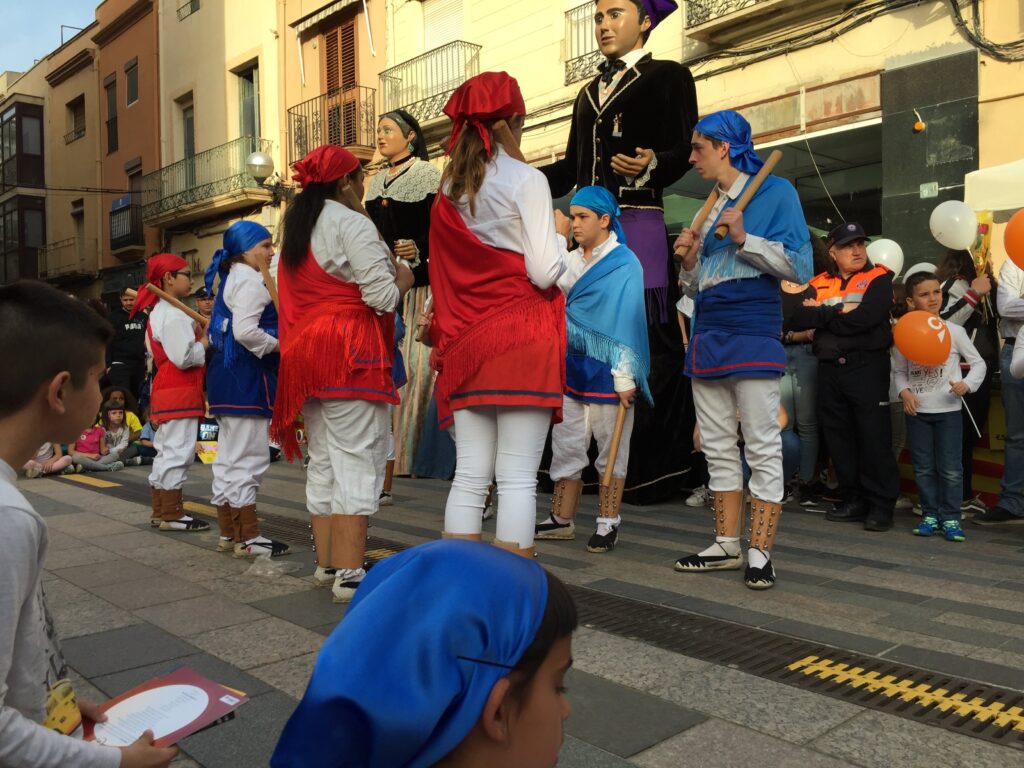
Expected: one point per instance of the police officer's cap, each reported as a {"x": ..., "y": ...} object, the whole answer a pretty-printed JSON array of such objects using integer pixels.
[{"x": 846, "y": 233}]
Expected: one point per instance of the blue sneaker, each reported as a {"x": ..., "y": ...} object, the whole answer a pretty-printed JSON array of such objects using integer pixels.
[
  {"x": 928, "y": 526},
  {"x": 952, "y": 531}
]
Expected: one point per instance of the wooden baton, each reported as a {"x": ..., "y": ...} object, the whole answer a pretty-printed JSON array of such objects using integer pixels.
[
  {"x": 422, "y": 330},
  {"x": 721, "y": 230},
  {"x": 271, "y": 285},
  {"x": 203, "y": 321},
  {"x": 701, "y": 217},
  {"x": 613, "y": 450}
]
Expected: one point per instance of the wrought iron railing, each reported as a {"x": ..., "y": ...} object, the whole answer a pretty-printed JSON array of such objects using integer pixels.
[
  {"x": 346, "y": 116},
  {"x": 187, "y": 9},
  {"x": 582, "y": 54},
  {"x": 201, "y": 177},
  {"x": 74, "y": 134},
  {"x": 126, "y": 227},
  {"x": 702, "y": 11},
  {"x": 66, "y": 257},
  {"x": 422, "y": 86}
]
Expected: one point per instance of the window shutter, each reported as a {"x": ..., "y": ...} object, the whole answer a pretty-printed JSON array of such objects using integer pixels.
[
  {"x": 331, "y": 68},
  {"x": 340, "y": 56},
  {"x": 442, "y": 22}
]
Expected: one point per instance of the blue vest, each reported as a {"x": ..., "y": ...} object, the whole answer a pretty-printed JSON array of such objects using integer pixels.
[
  {"x": 237, "y": 382},
  {"x": 588, "y": 380}
]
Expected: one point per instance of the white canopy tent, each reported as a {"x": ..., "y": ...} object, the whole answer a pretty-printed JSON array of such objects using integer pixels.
[{"x": 999, "y": 188}]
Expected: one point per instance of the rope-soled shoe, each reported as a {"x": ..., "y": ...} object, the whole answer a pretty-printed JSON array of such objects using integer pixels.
[
  {"x": 599, "y": 544},
  {"x": 698, "y": 563},
  {"x": 760, "y": 578},
  {"x": 552, "y": 530}
]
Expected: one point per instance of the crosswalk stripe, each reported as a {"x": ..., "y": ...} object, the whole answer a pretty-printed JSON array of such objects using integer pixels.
[{"x": 95, "y": 482}]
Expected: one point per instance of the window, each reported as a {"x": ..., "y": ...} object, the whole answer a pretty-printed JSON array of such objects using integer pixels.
[
  {"x": 21, "y": 146},
  {"x": 111, "y": 89},
  {"x": 339, "y": 62},
  {"x": 131, "y": 83},
  {"x": 442, "y": 23},
  {"x": 22, "y": 235},
  {"x": 76, "y": 121},
  {"x": 249, "y": 101}
]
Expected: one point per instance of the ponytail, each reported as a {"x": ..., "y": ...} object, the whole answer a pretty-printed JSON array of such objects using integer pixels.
[
  {"x": 300, "y": 218},
  {"x": 467, "y": 166}
]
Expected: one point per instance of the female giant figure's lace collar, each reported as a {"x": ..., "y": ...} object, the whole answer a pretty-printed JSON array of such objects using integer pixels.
[{"x": 410, "y": 185}]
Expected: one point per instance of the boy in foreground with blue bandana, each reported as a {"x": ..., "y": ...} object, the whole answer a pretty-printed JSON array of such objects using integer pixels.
[
  {"x": 608, "y": 359},
  {"x": 736, "y": 358}
]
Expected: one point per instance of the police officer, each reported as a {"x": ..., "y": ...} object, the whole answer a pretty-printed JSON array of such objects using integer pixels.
[
  {"x": 204, "y": 301},
  {"x": 850, "y": 313}
]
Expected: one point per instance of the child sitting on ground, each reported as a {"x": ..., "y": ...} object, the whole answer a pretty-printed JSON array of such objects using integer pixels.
[
  {"x": 118, "y": 434},
  {"x": 931, "y": 397},
  {"x": 50, "y": 460},
  {"x": 49, "y": 396},
  {"x": 473, "y": 679},
  {"x": 90, "y": 450}
]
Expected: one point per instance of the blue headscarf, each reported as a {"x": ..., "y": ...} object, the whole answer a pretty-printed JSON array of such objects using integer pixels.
[
  {"x": 239, "y": 238},
  {"x": 601, "y": 201},
  {"x": 732, "y": 127},
  {"x": 404, "y": 678}
]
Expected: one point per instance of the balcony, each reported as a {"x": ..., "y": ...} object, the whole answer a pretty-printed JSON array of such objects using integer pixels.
[
  {"x": 74, "y": 134},
  {"x": 346, "y": 117},
  {"x": 724, "y": 22},
  {"x": 126, "y": 228},
  {"x": 422, "y": 86},
  {"x": 206, "y": 185},
  {"x": 581, "y": 52},
  {"x": 68, "y": 260}
]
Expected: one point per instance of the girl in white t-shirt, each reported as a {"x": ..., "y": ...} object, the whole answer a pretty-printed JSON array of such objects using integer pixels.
[{"x": 932, "y": 401}]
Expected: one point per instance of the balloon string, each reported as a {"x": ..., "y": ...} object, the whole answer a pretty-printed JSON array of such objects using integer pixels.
[{"x": 971, "y": 417}]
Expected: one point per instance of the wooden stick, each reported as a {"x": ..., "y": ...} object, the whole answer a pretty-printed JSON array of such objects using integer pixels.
[
  {"x": 613, "y": 450},
  {"x": 702, "y": 215},
  {"x": 751, "y": 189},
  {"x": 421, "y": 331},
  {"x": 203, "y": 321},
  {"x": 271, "y": 285}
]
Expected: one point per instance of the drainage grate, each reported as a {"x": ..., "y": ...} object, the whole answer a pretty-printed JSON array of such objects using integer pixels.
[{"x": 956, "y": 704}]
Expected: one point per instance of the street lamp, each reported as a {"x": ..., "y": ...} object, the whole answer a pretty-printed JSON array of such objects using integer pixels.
[{"x": 260, "y": 166}]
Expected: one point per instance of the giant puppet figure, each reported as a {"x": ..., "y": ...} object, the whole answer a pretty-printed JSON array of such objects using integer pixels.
[
  {"x": 630, "y": 134},
  {"x": 736, "y": 358}
]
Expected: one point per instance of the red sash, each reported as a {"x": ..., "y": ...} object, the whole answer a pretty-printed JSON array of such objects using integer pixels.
[
  {"x": 333, "y": 346},
  {"x": 498, "y": 339},
  {"x": 176, "y": 393}
]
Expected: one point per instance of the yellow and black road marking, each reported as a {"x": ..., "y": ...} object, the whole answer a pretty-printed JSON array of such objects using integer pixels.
[{"x": 909, "y": 690}]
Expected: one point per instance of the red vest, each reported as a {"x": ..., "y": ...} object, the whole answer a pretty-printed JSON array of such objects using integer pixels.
[
  {"x": 333, "y": 346},
  {"x": 498, "y": 339},
  {"x": 176, "y": 393}
]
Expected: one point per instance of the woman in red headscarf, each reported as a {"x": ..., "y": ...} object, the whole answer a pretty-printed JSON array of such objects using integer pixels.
[
  {"x": 176, "y": 400},
  {"x": 498, "y": 323},
  {"x": 338, "y": 287}
]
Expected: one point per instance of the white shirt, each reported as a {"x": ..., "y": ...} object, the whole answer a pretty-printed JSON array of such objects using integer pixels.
[
  {"x": 514, "y": 212},
  {"x": 1010, "y": 299},
  {"x": 768, "y": 256},
  {"x": 630, "y": 59},
  {"x": 575, "y": 266},
  {"x": 348, "y": 246},
  {"x": 246, "y": 296},
  {"x": 176, "y": 331},
  {"x": 930, "y": 383},
  {"x": 30, "y": 656}
]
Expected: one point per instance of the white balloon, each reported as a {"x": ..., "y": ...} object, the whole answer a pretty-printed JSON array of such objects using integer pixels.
[
  {"x": 887, "y": 252},
  {"x": 921, "y": 266},
  {"x": 954, "y": 225}
]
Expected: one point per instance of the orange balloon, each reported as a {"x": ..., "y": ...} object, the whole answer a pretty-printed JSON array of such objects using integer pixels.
[
  {"x": 1013, "y": 238},
  {"x": 922, "y": 338}
]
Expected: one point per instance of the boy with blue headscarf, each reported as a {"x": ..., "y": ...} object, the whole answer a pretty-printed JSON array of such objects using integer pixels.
[
  {"x": 736, "y": 358},
  {"x": 608, "y": 359},
  {"x": 241, "y": 380}
]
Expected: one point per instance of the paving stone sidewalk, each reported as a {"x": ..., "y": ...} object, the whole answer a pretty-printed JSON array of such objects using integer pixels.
[{"x": 131, "y": 603}]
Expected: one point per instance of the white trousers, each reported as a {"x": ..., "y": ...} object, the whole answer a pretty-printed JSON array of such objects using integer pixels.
[
  {"x": 718, "y": 401},
  {"x": 175, "y": 443},
  {"x": 570, "y": 440},
  {"x": 348, "y": 445},
  {"x": 504, "y": 443},
  {"x": 243, "y": 457}
]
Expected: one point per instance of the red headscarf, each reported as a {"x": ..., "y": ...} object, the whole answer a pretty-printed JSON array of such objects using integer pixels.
[
  {"x": 324, "y": 164},
  {"x": 157, "y": 266},
  {"x": 488, "y": 96}
]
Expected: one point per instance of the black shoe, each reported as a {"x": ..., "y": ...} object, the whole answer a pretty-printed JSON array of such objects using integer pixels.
[
  {"x": 878, "y": 520},
  {"x": 599, "y": 544},
  {"x": 760, "y": 578},
  {"x": 848, "y": 512},
  {"x": 997, "y": 516},
  {"x": 551, "y": 530},
  {"x": 698, "y": 563}
]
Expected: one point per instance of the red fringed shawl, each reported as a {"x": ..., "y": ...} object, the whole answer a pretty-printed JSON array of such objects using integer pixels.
[
  {"x": 498, "y": 339},
  {"x": 333, "y": 346}
]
